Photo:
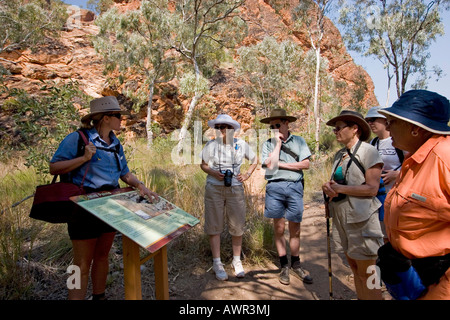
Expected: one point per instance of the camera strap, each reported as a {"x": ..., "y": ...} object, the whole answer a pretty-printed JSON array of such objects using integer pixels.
[{"x": 233, "y": 155}]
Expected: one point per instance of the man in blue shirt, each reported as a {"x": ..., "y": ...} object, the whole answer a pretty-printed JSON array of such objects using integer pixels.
[{"x": 285, "y": 157}]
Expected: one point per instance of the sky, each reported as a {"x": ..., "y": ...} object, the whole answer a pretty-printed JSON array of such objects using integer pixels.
[{"x": 438, "y": 56}]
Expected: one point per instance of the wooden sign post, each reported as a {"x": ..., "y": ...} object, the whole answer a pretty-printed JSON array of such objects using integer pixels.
[
  {"x": 132, "y": 271},
  {"x": 143, "y": 224}
]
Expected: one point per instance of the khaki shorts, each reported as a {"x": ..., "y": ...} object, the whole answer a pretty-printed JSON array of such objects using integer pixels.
[
  {"x": 224, "y": 204},
  {"x": 360, "y": 240}
]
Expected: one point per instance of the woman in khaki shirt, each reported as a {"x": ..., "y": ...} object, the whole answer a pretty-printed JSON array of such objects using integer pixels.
[{"x": 354, "y": 206}]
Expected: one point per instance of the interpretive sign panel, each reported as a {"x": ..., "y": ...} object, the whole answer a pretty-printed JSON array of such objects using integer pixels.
[{"x": 150, "y": 225}]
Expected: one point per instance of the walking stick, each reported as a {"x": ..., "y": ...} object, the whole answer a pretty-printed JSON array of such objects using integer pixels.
[{"x": 328, "y": 217}]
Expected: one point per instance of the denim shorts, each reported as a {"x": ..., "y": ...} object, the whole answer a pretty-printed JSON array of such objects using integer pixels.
[{"x": 284, "y": 199}]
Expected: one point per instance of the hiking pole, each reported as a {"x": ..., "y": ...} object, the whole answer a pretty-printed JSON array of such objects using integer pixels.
[{"x": 328, "y": 217}]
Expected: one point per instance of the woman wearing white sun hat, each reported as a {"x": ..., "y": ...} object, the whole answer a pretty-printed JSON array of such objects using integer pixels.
[{"x": 222, "y": 159}]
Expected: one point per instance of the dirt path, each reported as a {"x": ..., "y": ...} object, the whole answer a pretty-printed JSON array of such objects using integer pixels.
[
  {"x": 194, "y": 279},
  {"x": 261, "y": 281}
]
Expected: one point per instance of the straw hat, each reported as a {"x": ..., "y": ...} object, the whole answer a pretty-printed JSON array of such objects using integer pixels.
[{"x": 103, "y": 105}]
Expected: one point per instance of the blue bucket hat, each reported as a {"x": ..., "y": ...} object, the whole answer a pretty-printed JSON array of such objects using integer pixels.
[{"x": 424, "y": 108}]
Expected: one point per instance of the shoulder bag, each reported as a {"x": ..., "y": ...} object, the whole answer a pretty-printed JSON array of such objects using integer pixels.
[{"x": 52, "y": 201}]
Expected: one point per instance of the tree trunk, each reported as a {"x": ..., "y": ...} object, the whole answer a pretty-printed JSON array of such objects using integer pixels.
[
  {"x": 187, "y": 121},
  {"x": 190, "y": 112},
  {"x": 388, "y": 86},
  {"x": 316, "y": 100},
  {"x": 148, "y": 125}
]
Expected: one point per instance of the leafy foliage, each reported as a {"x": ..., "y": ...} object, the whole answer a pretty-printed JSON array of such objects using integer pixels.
[
  {"x": 40, "y": 123},
  {"x": 28, "y": 23},
  {"x": 273, "y": 69},
  {"x": 399, "y": 33},
  {"x": 135, "y": 44}
]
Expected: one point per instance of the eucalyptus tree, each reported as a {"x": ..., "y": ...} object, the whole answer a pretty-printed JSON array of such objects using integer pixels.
[
  {"x": 398, "y": 33},
  {"x": 310, "y": 15},
  {"x": 203, "y": 31},
  {"x": 100, "y": 6},
  {"x": 27, "y": 24},
  {"x": 136, "y": 45},
  {"x": 273, "y": 70}
]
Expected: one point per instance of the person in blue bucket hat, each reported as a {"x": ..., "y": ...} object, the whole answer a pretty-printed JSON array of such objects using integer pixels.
[{"x": 415, "y": 262}]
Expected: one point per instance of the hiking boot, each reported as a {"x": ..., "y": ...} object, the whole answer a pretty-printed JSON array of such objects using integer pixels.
[
  {"x": 301, "y": 274},
  {"x": 238, "y": 269},
  {"x": 284, "y": 275},
  {"x": 221, "y": 274}
]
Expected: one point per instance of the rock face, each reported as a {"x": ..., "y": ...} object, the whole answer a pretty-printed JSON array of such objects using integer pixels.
[{"x": 72, "y": 57}]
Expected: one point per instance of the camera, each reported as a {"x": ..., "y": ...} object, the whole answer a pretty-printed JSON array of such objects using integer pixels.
[
  {"x": 228, "y": 177},
  {"x": 341, "y": 196}
]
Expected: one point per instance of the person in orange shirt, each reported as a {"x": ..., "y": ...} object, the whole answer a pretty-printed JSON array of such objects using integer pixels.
[{"x": 417, "y": 209}]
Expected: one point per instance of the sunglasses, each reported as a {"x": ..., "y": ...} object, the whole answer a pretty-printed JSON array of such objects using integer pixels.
[
  {"x": 337, "y": 129},
  {"x": 222, "y": 126},
  {"x": 117, "y": 115},
  {"x": 275, "y": 126}
]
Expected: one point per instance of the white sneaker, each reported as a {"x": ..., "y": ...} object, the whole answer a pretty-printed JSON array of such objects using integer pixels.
[
  {"x": 221, "y": 274},
  {"x": 238, "y": 269}
]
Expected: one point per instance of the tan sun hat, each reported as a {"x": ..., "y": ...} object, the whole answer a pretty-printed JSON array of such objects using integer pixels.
[
  {"x": 355, "y": 117},
  {"x": 278, "y": 113},
  {"x": 103, "y": 105}
]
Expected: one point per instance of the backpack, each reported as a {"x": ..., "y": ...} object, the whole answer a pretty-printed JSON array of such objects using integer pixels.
[
  {"x": 399, "y": 152},
  {"x": 401, "y": 157}
]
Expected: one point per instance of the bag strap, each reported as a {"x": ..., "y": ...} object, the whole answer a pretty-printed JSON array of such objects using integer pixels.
[
  {"x": 353, "y": 158},
  {"x": 86, "y": 142},
  {"x": 289, "y": 152},
  {"x": 376, "y": 142}
]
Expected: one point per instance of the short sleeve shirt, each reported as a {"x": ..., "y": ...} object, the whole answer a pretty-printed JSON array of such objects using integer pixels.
[
  {"x": 417, "y": 209},
  {"x": 389, "y": 155},
  {"x": 298, "y": 146},
  {"x": 220, "y": 156},
  {"x": 105, "y": 167},
  {"x": 368, "y": 156}
]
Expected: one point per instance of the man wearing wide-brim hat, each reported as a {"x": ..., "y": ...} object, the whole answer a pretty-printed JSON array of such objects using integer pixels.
[{"x": 285, "y": 156}]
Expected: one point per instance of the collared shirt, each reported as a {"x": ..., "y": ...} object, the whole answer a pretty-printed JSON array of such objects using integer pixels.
[
  {"x": 103, "y": 167},
  {"x": 220, "y": 156},
  {"x": 417, "y": 209},
  {"x": 368, "y": 156},
  {"x": 298, "y": 146}
]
